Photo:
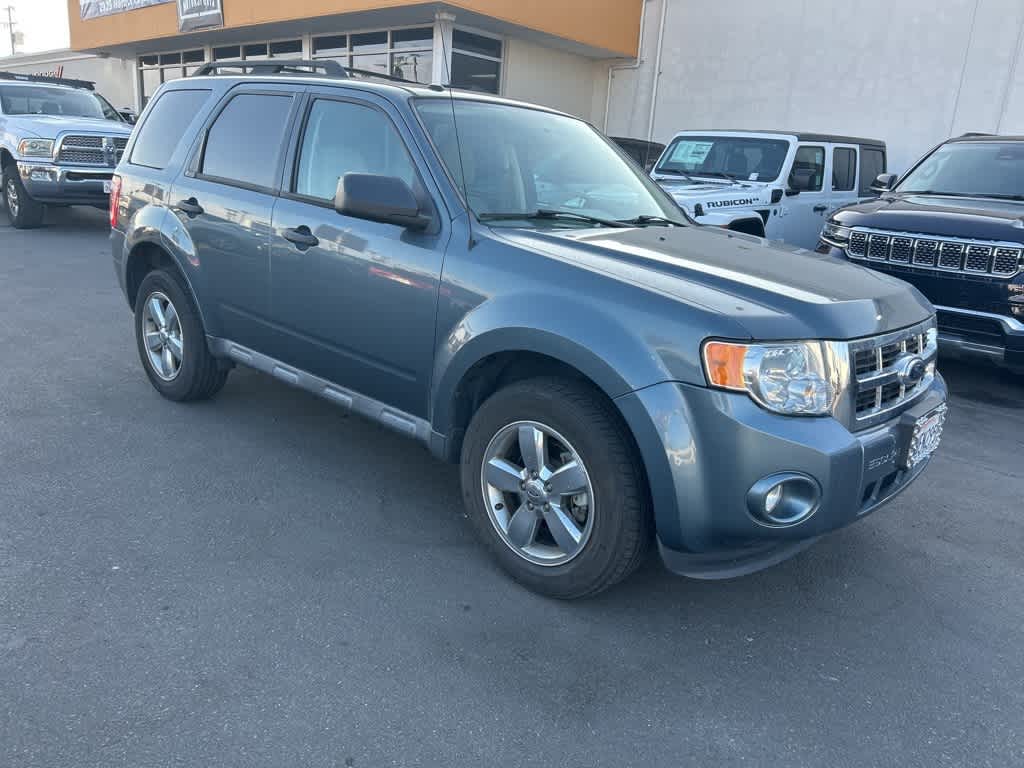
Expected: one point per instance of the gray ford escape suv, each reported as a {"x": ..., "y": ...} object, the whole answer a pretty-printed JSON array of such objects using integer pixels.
[{"x": 500, "y": 282}]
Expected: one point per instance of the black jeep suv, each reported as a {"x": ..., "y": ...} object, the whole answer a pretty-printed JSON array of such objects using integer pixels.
[{"x": 954, "y": 227}]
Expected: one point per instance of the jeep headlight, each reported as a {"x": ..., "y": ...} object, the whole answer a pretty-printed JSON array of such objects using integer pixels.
[
  {"x": 36, "y": 148},
  {"x": 800, "y": 378},
  {"x": 836, "y": 234}
]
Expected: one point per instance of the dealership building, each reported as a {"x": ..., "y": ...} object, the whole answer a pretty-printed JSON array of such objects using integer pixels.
[{"x": 910, "y": 73}]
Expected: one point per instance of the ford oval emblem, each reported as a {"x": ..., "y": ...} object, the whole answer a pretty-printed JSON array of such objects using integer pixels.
[{"x": 910, "y": 369}]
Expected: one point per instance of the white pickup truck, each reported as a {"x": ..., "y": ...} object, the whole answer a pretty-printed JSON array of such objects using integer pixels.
[{"x": 768, "y": 183}]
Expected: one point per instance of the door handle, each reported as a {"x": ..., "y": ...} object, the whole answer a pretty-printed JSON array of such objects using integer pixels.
[
  {"x": 820, "y": 208},
  {"x": 190, "y": 207},
  {"x": 301, "y": 237}
]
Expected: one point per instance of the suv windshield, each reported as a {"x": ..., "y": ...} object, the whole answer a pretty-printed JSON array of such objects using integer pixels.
[
  {"x": 737, "y": 157},
  {"x": 52, "y": 100},
  {"x": 970, "y": 169},
  {"x": 517, "y": 160}
]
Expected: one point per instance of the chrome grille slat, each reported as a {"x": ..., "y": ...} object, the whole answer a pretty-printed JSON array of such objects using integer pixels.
[
  {"x": 877, "y": 387},
  {"x": 948, "y": 254}
]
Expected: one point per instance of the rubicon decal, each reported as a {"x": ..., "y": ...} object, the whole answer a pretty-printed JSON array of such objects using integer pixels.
[{"x": 730, "y": 203}]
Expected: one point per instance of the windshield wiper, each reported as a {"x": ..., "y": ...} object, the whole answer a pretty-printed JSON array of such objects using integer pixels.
[
  {"x": 644, "y": 220},
  {"x": 720, "y": 174},
  {"x": 936, "y": 193},
  {"x": 676, "y": 172},
  {"x": 547, "y": 213}
]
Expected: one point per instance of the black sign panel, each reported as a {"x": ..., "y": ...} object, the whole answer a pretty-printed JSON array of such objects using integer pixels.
[
  {"x": 92, "y": 9},
  {"x": 199, "y": 14}
]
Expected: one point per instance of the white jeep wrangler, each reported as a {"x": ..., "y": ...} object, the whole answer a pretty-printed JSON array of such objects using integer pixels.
[{"x": 768, "y": 183}]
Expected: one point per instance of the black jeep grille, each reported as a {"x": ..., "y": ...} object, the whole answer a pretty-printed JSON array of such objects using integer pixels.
[{"x": 948, "y": 254}]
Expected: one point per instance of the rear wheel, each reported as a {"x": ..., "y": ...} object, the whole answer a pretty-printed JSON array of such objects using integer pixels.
[
  {"x": 22, "y": 210},
  {"x": 172, "y": 342},
  {"x": 552, "y": 485}
]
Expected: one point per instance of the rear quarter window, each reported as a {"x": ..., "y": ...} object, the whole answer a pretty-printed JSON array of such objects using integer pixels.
[{"x": 165, "y": 125}]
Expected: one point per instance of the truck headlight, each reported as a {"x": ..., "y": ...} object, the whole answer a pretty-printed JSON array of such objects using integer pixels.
[
  {"x": 800, "y": 378},
  {"x": 835, "y": 234},
  {"x": 36, "y": 148}
]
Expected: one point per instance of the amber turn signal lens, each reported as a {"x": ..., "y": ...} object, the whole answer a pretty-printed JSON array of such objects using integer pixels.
[{"x": 724, "y": 364}]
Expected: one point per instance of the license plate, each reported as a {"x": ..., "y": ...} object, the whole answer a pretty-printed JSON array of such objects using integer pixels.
[
  {"x": 106, "y": 187},
  {"x": 926, "y": 437}
]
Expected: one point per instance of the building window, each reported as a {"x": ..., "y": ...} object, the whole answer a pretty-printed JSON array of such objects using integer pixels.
[
  {"x": 476, "y": 61},
  {"x": 405, "y": 53},
  {"x": 157, "y": 69}
]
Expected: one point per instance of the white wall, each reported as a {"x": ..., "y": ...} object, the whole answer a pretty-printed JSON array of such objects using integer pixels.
[
  {"x": 912, "y": 72},
  {"x": 554, "y": 78},
  {"x": 113, "y": 77}
]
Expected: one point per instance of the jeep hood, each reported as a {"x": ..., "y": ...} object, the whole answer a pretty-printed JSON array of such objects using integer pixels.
[
  {"x": 973, "y": 217},
  {"x": 773, "y": 291},
  {"x": 52, "y": 126},
  {"x": 714, "y": 196}
]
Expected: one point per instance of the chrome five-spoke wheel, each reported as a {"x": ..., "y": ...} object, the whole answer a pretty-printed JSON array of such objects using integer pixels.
[
  {"x": 161, "y": 328},
  {"x": 13, "y": 202},
  {"x": 538, "y": 493}
]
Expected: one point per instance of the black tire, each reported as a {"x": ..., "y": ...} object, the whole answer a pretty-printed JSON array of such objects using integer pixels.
[
  {"x": 26, "y": 213},
  {"x": 200, "y": 375},
  {"x": 622, "y": 528}
]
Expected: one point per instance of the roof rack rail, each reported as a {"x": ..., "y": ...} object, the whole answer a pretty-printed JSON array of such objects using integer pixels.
[
  {"x": 18, "y": 76},
  {"x": 325, "y": 67},
  {"x": 971, "y": 134},
  {"x": 280, "y": 67}
]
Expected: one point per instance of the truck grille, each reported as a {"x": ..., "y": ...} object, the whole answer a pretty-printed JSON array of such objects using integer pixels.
[
  {"x": 105, "y": 151},
  {"x": 880, "y": 365},
  {"x": 946, "y": 254}
]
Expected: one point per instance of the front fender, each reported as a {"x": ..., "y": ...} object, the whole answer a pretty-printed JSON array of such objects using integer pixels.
[
  {"x": 569, "y": 330},
  {"x": 725, "y": 218}
]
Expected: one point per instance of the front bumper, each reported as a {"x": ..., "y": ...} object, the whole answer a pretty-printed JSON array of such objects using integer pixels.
[
  {"x": 68, "y": 185},
  {"x": 705, "y": 450},
  {"x": 971, "y": 334}
]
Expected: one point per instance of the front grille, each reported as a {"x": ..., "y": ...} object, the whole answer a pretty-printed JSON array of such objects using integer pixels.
[
  {"x": 947, "y": 254},
  {"x": 879, "y": 364},
  {"x": 103, "y": 151}
]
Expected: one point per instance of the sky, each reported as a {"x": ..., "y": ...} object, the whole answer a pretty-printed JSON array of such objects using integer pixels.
[{"x": 44, "y": 23}]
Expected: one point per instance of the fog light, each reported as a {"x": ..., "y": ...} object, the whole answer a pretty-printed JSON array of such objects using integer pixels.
[{"x": 783, "y": 500}]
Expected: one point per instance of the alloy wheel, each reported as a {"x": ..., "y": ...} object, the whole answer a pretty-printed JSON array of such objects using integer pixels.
[
  {"x": 161, "y": 331},
  {"x": 538, "y": 493},
  {"x": 13, "y": 203}
]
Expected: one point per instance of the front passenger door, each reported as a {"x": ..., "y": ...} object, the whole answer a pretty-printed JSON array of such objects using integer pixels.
[
  {"x": 355, "y": 300},
  {"x": 805, "y": 212}
]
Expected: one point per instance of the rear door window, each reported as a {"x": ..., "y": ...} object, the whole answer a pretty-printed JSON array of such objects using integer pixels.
[
  {"x": 844, "y": 169},
  {"x": 246, "y": 141},
  {"x": 165, "y": 125},
  {"x": 872, "y": 163}
]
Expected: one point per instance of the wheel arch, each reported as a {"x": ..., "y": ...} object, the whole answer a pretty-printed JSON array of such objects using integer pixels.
[{"x": 145, "y": 256}]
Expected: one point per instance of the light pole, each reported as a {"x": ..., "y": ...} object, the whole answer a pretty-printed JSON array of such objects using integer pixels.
[{"x": 10, "y": 26}]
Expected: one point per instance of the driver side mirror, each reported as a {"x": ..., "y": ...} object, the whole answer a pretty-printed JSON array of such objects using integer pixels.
[
  {"x": 386, "y": 199},
  {"x": 884, "y": 182}
]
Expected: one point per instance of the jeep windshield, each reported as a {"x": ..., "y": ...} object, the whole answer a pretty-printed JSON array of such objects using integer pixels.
[
  {"x": 992, "y": 169},
  {"x": 520, "y": 166},
  {"x": 55, "y": 101},
  {"x": 733, "y": 158}
]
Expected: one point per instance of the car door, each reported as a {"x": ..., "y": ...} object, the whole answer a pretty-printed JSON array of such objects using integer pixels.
[
  {"x": 805, "y": 211},
  {"x": 224, "y": 202},
  {"x": 843, "y": 176},
  {"x": 354, "y": 301}
]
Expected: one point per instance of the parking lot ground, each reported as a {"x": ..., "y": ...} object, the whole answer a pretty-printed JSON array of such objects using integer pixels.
[{"x": 262, "y": 580}]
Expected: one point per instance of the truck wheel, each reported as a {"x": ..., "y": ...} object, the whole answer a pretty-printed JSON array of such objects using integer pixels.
[
  {"x": 23, "y": 211},
  {"x": 554, "y": 488},
  {"x": 172, "y": 342}
]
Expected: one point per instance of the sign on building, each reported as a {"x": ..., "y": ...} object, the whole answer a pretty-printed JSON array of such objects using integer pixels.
[
  {"x": 91, "y": 9},
  {"x": 199, "y": 14}
]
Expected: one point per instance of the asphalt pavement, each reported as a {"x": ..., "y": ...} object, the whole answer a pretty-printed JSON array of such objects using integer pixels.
[{"x": 263, "y": 580}]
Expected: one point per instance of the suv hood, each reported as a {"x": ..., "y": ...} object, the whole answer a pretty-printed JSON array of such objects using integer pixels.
[
  {"x": 773, "y": 291},
  {"x": 971, "y": 217},
  {"x": 51, "y": 126},
  {"x": 714, "y": 196}
]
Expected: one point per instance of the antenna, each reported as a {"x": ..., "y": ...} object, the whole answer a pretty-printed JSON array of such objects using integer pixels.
[{"x": 458, "y": 140}]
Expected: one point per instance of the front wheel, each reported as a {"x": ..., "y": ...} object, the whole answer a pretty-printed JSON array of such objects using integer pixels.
[
  {"x": 23, "y": 211},
  {"x": 552, "y": 484}
]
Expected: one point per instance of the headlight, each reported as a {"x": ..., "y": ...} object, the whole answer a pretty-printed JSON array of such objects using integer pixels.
[
  {"x": 36, "y": 148},
  {"x": 836, "y": 234},
  {"x": 801, "y": 378}
]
